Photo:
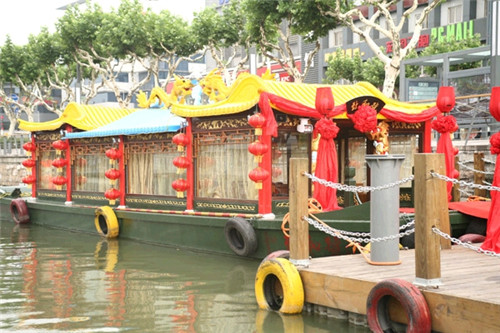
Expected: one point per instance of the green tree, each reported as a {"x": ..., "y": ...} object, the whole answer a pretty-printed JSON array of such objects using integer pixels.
[
  {"x": 384, "y": 22},
  {"x": 342, "y": 67},
  {"x": 225, "y": 37},
  {"x": 271, "y": 25},
  {"x": 36, "y": 68}
]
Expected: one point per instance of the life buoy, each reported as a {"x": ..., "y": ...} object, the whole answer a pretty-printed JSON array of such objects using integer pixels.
[
  {"x": 106, "y": 222},
  {"x": 278, "y": 287},
  {"x": 19, "y": 211},
  {"x": 240, "y": 236},
  {"x": 410, "y": 298}
]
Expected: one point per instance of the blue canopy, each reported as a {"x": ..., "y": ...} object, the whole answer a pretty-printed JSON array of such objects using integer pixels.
[{"x": 139, "y": 122}]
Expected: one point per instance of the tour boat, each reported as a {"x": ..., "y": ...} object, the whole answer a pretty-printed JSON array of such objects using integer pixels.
[{"x": 206, "y": 167}]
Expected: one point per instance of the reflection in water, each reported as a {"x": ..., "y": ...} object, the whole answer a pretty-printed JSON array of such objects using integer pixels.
[{"x": 57, "y": 281}]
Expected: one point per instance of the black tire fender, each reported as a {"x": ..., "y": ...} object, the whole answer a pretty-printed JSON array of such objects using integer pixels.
[
  {"x": 240, "y": 236},
  {"x": 19, "y": 211}
]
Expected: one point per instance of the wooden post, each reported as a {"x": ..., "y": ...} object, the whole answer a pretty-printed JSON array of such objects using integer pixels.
[
  {"x": 478, "y": 176},
  {"x": 299, "y": 229},
  {"x": 431, "y": 209}
]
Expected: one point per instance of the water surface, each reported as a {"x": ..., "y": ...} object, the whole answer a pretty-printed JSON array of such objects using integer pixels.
[{"x": 59, "y": 281}]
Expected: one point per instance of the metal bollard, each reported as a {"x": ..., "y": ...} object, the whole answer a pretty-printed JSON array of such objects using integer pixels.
[{"x": 384, "y": 208}]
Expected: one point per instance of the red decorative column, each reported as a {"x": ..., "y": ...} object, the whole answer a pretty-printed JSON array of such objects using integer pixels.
[{"x": 261, "y": 174}]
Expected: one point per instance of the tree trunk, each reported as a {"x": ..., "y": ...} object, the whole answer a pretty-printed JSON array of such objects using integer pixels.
[{"x": 391, "y": 74}]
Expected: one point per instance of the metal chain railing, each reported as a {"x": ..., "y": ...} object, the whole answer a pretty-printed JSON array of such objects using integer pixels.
[
  {"x": 462, "y": 164},
  {"x": 350, "y": 188},
  {"x": 489, "y": 161},
  {"x": 464, "y": 244},
  {"x": 464, "y": 183},
  {"x": 344, "y": 234}
]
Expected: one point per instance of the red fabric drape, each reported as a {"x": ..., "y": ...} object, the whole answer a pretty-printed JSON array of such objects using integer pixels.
[
  {"x": 446, "y": 125},
  {"x": 326, "y": 164},
  {"x": 492, "y": 241}
]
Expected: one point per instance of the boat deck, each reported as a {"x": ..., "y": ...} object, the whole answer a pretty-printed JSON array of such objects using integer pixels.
[{"x": 467, "y": 301}]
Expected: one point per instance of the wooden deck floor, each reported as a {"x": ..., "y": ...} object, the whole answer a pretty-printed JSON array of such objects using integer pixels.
[{"x": 468, "y": 300}]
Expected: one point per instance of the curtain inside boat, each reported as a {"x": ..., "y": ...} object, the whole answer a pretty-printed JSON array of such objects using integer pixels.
[
  {"x": 89, "y": 172},
  {"x": 151, "y": 173},
  {"x": 223, "y": 163}
]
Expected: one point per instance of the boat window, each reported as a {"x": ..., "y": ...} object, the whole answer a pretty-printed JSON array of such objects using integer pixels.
[
  {"x": 46, "y": 171},
  {"x": 283, "y": 146},
  {"x": 356, "y": 158},
  {"x": 222, "y": 165},
  {"x": 406, "y": 144},
  {"x": 150, "y": 168},
  {"x": 89, "y": 172}
]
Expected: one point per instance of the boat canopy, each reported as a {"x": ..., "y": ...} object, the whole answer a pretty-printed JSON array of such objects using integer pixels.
[
  {"x": 145, "y": 121},
  {"x": 83, "y": 117}
]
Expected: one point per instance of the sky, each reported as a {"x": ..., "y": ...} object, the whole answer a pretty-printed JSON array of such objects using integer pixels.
[{"x": 20, "y": 18}]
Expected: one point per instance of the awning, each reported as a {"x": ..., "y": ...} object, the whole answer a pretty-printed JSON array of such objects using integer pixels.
[{"x": 140, "y": 122}]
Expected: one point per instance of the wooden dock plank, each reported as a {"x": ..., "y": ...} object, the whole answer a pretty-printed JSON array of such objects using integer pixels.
[{"x": 467, "y": 301}]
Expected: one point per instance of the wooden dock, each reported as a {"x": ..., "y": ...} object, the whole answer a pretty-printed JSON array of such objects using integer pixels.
[
  {"x": 467, "y": 301},
  {"x": 458, "y": 288}
]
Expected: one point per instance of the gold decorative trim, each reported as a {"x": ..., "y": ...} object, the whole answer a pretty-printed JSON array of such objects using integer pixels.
[{"x": 225, "y": 206}]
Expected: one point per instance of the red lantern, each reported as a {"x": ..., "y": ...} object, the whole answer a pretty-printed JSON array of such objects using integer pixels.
[
  {"x": 113, "y": 175},
  {"x": 59, "y": 163},
  {"x": 258, "y": 149},
  {"x": 29, "y": 147},
  {"x": 112, "y": 194},
  {"x": 258, "y": 175},
  {"x": 29, "y": 163},
  {"x": 324, "y": 100},
  {"x": 181, "y": 162},
  {"x": 180, "y": 185},
  {"x": 29, "y": 179},
  {"x": 59, "y": 181},
  {"x": 113, "y": 153},
  {"x": 257, "y": 121},
  {"x": 181, "y": 140},
  {"x": 495, "y": 103},
  {"x": 60, "y": 145},
  {"x": 446, "y": 99}
]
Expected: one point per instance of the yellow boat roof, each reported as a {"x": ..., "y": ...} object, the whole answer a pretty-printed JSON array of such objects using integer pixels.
[
  {"x": 245, "y": 93},
  {"x": 83, "y": 117},
  {"x": 241, "y": 96}
]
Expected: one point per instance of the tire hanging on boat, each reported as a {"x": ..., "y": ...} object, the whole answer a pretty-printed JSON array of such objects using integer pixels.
[
  {"x": 278, "y": 287},
  {"x": 408, "y": 295},
  {"x": 19, "y": 211},
  {"x": 240, "y": 236},
  {"x": 106, "y": 222}
]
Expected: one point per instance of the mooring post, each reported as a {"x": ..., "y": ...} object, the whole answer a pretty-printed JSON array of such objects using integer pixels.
[
  {"x": 384, "y": 208},
  {"x": 299, "y": 229},
  {"x": 431, "y": 210},
  {"x": 479, "y": 177}
]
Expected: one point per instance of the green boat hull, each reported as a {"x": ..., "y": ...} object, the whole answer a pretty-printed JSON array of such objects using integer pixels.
[{"x": 205, "y": 233}]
